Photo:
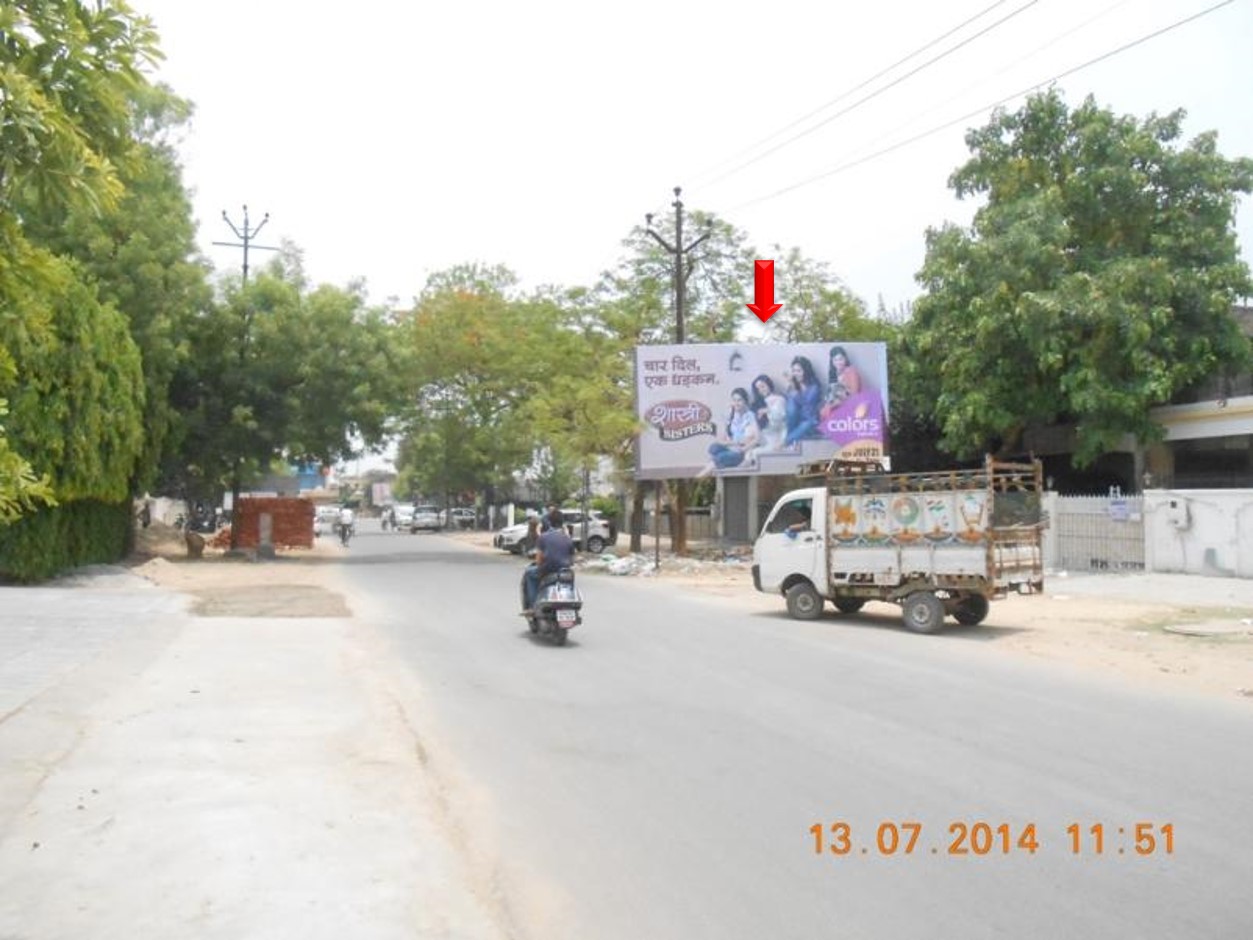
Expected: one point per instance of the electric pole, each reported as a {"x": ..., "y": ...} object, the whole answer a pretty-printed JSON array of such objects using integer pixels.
[
  {"x": 682, "y": 266},
  {"x": 245, "y": 237},
  {"x": 245, "y": 242},
  {"x": 682, "y": 271}
]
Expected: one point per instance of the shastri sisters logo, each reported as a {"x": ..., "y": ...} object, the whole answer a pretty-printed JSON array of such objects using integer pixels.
[{"x": 679, "y": 419}]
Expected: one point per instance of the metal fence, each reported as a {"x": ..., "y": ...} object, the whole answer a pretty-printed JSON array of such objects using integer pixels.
[{"x": 1097, "y": 533}]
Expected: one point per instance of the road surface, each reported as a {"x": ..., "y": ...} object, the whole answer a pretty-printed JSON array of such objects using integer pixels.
[{"x": 682, "y": 769}]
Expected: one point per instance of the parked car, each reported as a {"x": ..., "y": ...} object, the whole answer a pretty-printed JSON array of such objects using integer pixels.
[
  {"x": 426, "y": 517},
  {"x": 459, "y": 518},
  {"x": 600, "y": 532},
  {"x": 402, "y": 517}
]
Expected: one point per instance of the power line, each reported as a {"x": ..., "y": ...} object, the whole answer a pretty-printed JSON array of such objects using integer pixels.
[
  {"x": 983, "y": 80},
  {"x": 965, "y": 117},
  {"x": 872, "y": 95},
  {"x": 856, "y": 88}
]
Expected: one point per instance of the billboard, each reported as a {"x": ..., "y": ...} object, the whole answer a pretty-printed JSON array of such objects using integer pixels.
[{"x": 739, "y": 409}]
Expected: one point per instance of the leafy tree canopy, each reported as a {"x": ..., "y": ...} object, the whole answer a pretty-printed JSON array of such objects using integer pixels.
[
  {"x": 69, "y": 71},
  {"x": 277, "y": 374},
  {"x": 1096, "y": 280}
]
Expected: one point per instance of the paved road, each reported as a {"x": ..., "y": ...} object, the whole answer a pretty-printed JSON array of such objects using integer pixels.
[{"x": 660, "y": 775}]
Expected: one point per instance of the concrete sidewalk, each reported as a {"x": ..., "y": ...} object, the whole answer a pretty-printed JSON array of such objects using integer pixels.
[{"x": 168, "y": 776}]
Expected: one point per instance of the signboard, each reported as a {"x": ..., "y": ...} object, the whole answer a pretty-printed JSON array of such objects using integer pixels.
[{"x": 739, "y": 409}]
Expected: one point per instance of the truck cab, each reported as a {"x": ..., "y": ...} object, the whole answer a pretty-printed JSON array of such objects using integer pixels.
[{"x": 791, "y": 547}]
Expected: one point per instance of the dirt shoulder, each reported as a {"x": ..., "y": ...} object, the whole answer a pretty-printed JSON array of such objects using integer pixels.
[
  {"x": 299, "y": 582},
  {"x": 1119, "y": 625}
]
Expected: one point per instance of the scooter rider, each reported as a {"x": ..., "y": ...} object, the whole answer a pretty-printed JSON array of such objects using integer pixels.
[
  {"x": 347, "y": 521},
  {"x": 553, "y": 551}
]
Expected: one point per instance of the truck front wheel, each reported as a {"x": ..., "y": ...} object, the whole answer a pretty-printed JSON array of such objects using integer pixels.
[
  {"x": 923, "y": 612},
  {"x": 804, "y": 602}
]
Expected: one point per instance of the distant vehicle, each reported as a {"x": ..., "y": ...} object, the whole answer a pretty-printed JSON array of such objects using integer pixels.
[
  {"x": 402, "y": 517},
  {"x": 600, "y": 532},
  {"x": 459, "y": 518},
  {"x": 324, "y": 517},
  {"x": 426, "y": 517}
]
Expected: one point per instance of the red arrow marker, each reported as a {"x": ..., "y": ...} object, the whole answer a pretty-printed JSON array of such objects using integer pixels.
[{"x": 763, "y": 291}]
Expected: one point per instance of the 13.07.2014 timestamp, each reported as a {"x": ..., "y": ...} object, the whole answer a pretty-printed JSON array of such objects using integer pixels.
[{"x": 978, "y": 838}]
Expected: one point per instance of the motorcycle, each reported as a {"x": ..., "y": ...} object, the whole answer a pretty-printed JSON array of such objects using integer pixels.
[
  {"x": 558, "y": 606},
  {"x": 345, "y": 532}
]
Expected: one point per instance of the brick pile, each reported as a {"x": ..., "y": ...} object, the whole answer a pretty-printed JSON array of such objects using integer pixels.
[{"x": 292, "y": 521}]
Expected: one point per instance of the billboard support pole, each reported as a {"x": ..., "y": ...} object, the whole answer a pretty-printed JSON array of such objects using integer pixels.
[{"x": 656, "y": 525}]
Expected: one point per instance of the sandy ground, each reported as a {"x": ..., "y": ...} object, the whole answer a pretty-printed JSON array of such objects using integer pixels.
[{"x": 1089, "y": 624}]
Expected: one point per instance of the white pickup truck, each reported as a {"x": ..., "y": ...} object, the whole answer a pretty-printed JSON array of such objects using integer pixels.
[{"x": 942, "y": 543}]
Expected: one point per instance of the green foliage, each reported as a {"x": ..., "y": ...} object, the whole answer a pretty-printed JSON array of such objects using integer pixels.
[
  {"x": 20, "y": 490},
  {"x": 1096, "y": 281},
  {"x": 76, "y": 394},
  {"x": 140, "y": 255},
  {"x": 817, "y": 307},
  {"x": 475, "y": 355},
  {"x": 608, "y": 507},
  {"x": 70, "y": 78},
  {"x": 51, "y": 540},
  {"x": 718, "y": 282},
  {"x": 281, "y": 375},
  {"x": 68, "y": 70}
]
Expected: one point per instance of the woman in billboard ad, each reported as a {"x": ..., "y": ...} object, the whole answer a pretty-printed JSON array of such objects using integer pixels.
[
  {"x": 740, "y": 438},
  {"x": 804, "y": 399},
  {"x": 851, "y": 418}
]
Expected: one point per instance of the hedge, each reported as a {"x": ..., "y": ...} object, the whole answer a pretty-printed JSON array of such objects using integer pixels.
[{"x": 45, "y": 543}]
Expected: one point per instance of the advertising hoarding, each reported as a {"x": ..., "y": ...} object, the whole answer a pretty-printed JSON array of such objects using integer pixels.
[{"x": 739, "y": 409}]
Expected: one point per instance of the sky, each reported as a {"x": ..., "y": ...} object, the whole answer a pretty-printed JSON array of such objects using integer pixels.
[{"x": 389, "y": 140}]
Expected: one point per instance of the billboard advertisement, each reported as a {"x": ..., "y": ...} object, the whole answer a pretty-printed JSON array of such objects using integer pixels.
[{"x": 737, "y": 409}]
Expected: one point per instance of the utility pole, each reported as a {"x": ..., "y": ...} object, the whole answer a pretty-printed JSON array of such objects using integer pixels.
[
  {"x": 682, "y": 266},
  {"x": 682, "y": 271},
  {"x": 245, "y": 242},
  {"x": 245, "y": 237}
]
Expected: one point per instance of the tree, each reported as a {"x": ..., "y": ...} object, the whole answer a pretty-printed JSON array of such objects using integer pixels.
[
  {"x": 817, "y": 307},
  {"x": 1095, "y": 282},
  {"x": 475, "y": 356},
  {"x": 69, "y": 71},
  {"x": 76, "y": 394},
  {"x": 281, "y": 375},
  {"x": 141, "y": 254},
  {"x": 20, "y": 490},
  {"x": 68, "y": 76}
]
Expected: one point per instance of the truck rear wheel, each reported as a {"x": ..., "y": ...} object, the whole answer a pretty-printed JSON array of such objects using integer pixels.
[
  {"x": 923, "y": 612},
  {"x": 804, "y": 602},
  {"x": 849, "y": 605},
  {"x": 971, "y": 610}
]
